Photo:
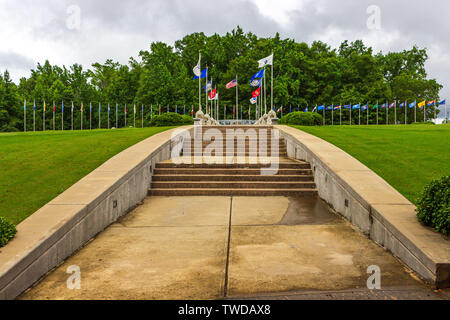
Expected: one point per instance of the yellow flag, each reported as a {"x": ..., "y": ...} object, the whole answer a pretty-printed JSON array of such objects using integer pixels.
[
  {"x": 44, "y": 106},
  {"x": 421, "y": 104}
]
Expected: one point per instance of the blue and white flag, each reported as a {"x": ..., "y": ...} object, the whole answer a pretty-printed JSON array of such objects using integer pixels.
[
  {"x": 412, "y": 105},
  {"x": 364, "y": 108},
  {"x": 268, "y": 61},
  {"x": 208, "y": 86},
  {"x": 253, "y": 100},
  {"x": 356, "y": 106},
  {"x": 348, "y": 106},
  {"x": 258, "y": 75},
  {"x": 202, "y": 75},
  {"x": 442, "y": 103},
  {"x": 306, "y": 110},
  {"x": 403, "y": 104},
  {"x": 314, "y": 110},
  {"x": 321, "y": 107},
  {"x": 34, "y": 105}
]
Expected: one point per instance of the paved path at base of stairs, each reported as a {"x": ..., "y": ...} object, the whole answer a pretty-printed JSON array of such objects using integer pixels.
[{"x": 227, "y": 247}]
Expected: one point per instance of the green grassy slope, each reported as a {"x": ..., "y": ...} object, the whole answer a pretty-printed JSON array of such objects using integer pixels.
[
  {"x": 36, "y": 167},
  {"x": 407, "y": 157}
]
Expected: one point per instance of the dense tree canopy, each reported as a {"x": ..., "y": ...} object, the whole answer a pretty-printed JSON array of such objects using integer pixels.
[{"x": 304, "y": 75}]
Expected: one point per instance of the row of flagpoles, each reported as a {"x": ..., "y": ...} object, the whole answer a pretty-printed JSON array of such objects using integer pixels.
[
  {"x": 258, "y": 80},
  {"x": 214, "y": 108},
  {"x": 377, "y": 107}
]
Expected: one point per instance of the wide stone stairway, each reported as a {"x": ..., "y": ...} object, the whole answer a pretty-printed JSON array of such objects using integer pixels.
[{"x": 239, "y": 161}]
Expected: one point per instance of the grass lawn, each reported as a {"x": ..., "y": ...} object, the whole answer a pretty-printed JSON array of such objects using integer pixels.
[
  {"x": 407, "y": 157},
  {"x": 36, "y": 167}
]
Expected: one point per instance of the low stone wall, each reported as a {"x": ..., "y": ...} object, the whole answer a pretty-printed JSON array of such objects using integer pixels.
[
  {"x": 61, "y": 227},
  {"x": 372, "y": 205}
]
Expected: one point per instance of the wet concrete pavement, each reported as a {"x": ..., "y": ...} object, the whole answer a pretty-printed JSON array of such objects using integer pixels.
[{"x": 226, "y": 247}]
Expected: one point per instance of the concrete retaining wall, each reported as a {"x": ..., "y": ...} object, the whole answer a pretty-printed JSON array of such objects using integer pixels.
[
  {"x": 61, "y": 227},
  {"x": 372, "y": 205}
]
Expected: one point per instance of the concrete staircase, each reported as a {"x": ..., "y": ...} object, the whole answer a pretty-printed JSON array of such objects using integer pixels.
[{"x": 243, "y": 169}]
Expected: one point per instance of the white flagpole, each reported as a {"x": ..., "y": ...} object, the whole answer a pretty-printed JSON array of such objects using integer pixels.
[
  {"x": 34, "y": 116},
  {"x": 237, "y": 91},
  {"x": 199, "y": 84},
  {"x": 387, "y": 113},
  {"x": 265, "y": 96},
  {"x": 54, "y": 116},
  {"x": 395, "y": 112},
  {"x": 134, "y": 116},
  {"x": 206, "y": 89},
  {"x": 117, "y": 116},
  {"x": 271, "y": 86},
  {"x": 109, "y": 110},
  {"x": 72, "y": 116},
  {"x": 62, "y": 116},
  {"x": 43, "y": 118},
  {"x": 24, "y": 115},
  {"x": 82, "y": 116},
  {"x": 406, "y": 114},
  {"x": 90, "y": 116},
  {"x": 142, "y": 116}
]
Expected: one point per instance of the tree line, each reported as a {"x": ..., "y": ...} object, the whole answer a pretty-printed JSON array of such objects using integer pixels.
[{"x": 304, "y": 75}]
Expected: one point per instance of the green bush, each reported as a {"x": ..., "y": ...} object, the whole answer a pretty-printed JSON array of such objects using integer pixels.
[
  {"x": 302, "y": 119},
  {"x": 425, "y": 123},
  {"x": 171, "y": 119},
  {"x": 7, "y": 231},
  {"x": 433, "y": 209}
]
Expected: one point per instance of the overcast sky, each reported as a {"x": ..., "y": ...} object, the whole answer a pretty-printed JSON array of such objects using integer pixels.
[{"x": 33, "y": 31}]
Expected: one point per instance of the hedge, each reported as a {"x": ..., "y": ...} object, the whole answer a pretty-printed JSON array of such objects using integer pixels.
[
  {"x": 171, "y": 119},
  {"x": 302, "y": 119},
  {"x": 7, "y": 231},
  {"x": 433, "y": 209}
]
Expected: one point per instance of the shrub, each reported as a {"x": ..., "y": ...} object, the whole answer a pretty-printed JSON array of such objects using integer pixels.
[
  {"x": 302, "y": 119},
  {"x": 171, "y": 119},
  {"x": 425, "y": 123},
  {"x": 7, "y": 231},
  {"x": 433, "y": 209}
]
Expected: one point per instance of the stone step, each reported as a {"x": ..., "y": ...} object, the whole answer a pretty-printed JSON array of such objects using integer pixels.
[
  {"x": 232, "y": 185},
  {"x": 192, "y": 164},
  {"x": 230, "y": 171},
  {"x": 222, "y": 177},
  {"x": 234, "y": 192},
  {"x": 235, "y": 153}
]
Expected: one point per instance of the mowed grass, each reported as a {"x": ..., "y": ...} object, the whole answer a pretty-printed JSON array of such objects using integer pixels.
[
  {"x": 407, "y": 157},
  {"x": 36, "y": 167}
]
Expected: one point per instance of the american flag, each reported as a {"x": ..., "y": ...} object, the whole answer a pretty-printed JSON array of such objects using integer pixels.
[{"x": 232, "y": 84}]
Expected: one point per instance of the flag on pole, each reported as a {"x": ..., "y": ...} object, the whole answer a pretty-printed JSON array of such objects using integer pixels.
[
  {"x": 431, "y": 103},
  {"x": 412, "y": 105},
  {"x": 375, "y": 106},
  {"x": 253, "y": 100},
  {"x": 306, "y": 109},
  {"x": 197, "y": 68},
  {"x": 329, "y": 108},
  {"x": 384, "y": 105},
  {"x": 348, "y": 106},
  {"x": 356, "y": 106},
  {"x": 441, "y": 103},
  {"x": 364, "y": 108},
  {"x": 392, "y": 105},
  {"x": 267, "y": 61},
  {"x": 44, "y": 106},
  {"x": 202, "y": 75},
  {"x": 232, "y": 84},
  {"x": 403, "y": 104},
  {"x": 254, "y": 82},
  {"x": 421, "y": 104},
  {"x": 337, "y": 107},
  {"x": 280, "y": 109},
  {"x": 192, "y": 111},
  {"x": 34, "y": 105},
  {"x": 208, "y": 86},
  {"x": 321, "y": 107},
  {"x": 256, "y": 93}
]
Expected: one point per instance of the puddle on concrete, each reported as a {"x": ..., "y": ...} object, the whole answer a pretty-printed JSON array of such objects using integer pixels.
[{"x": 308, "y": 211}]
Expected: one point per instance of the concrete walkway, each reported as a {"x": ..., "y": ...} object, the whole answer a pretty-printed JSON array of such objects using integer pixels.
[{"x": 225, "y": 247}]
